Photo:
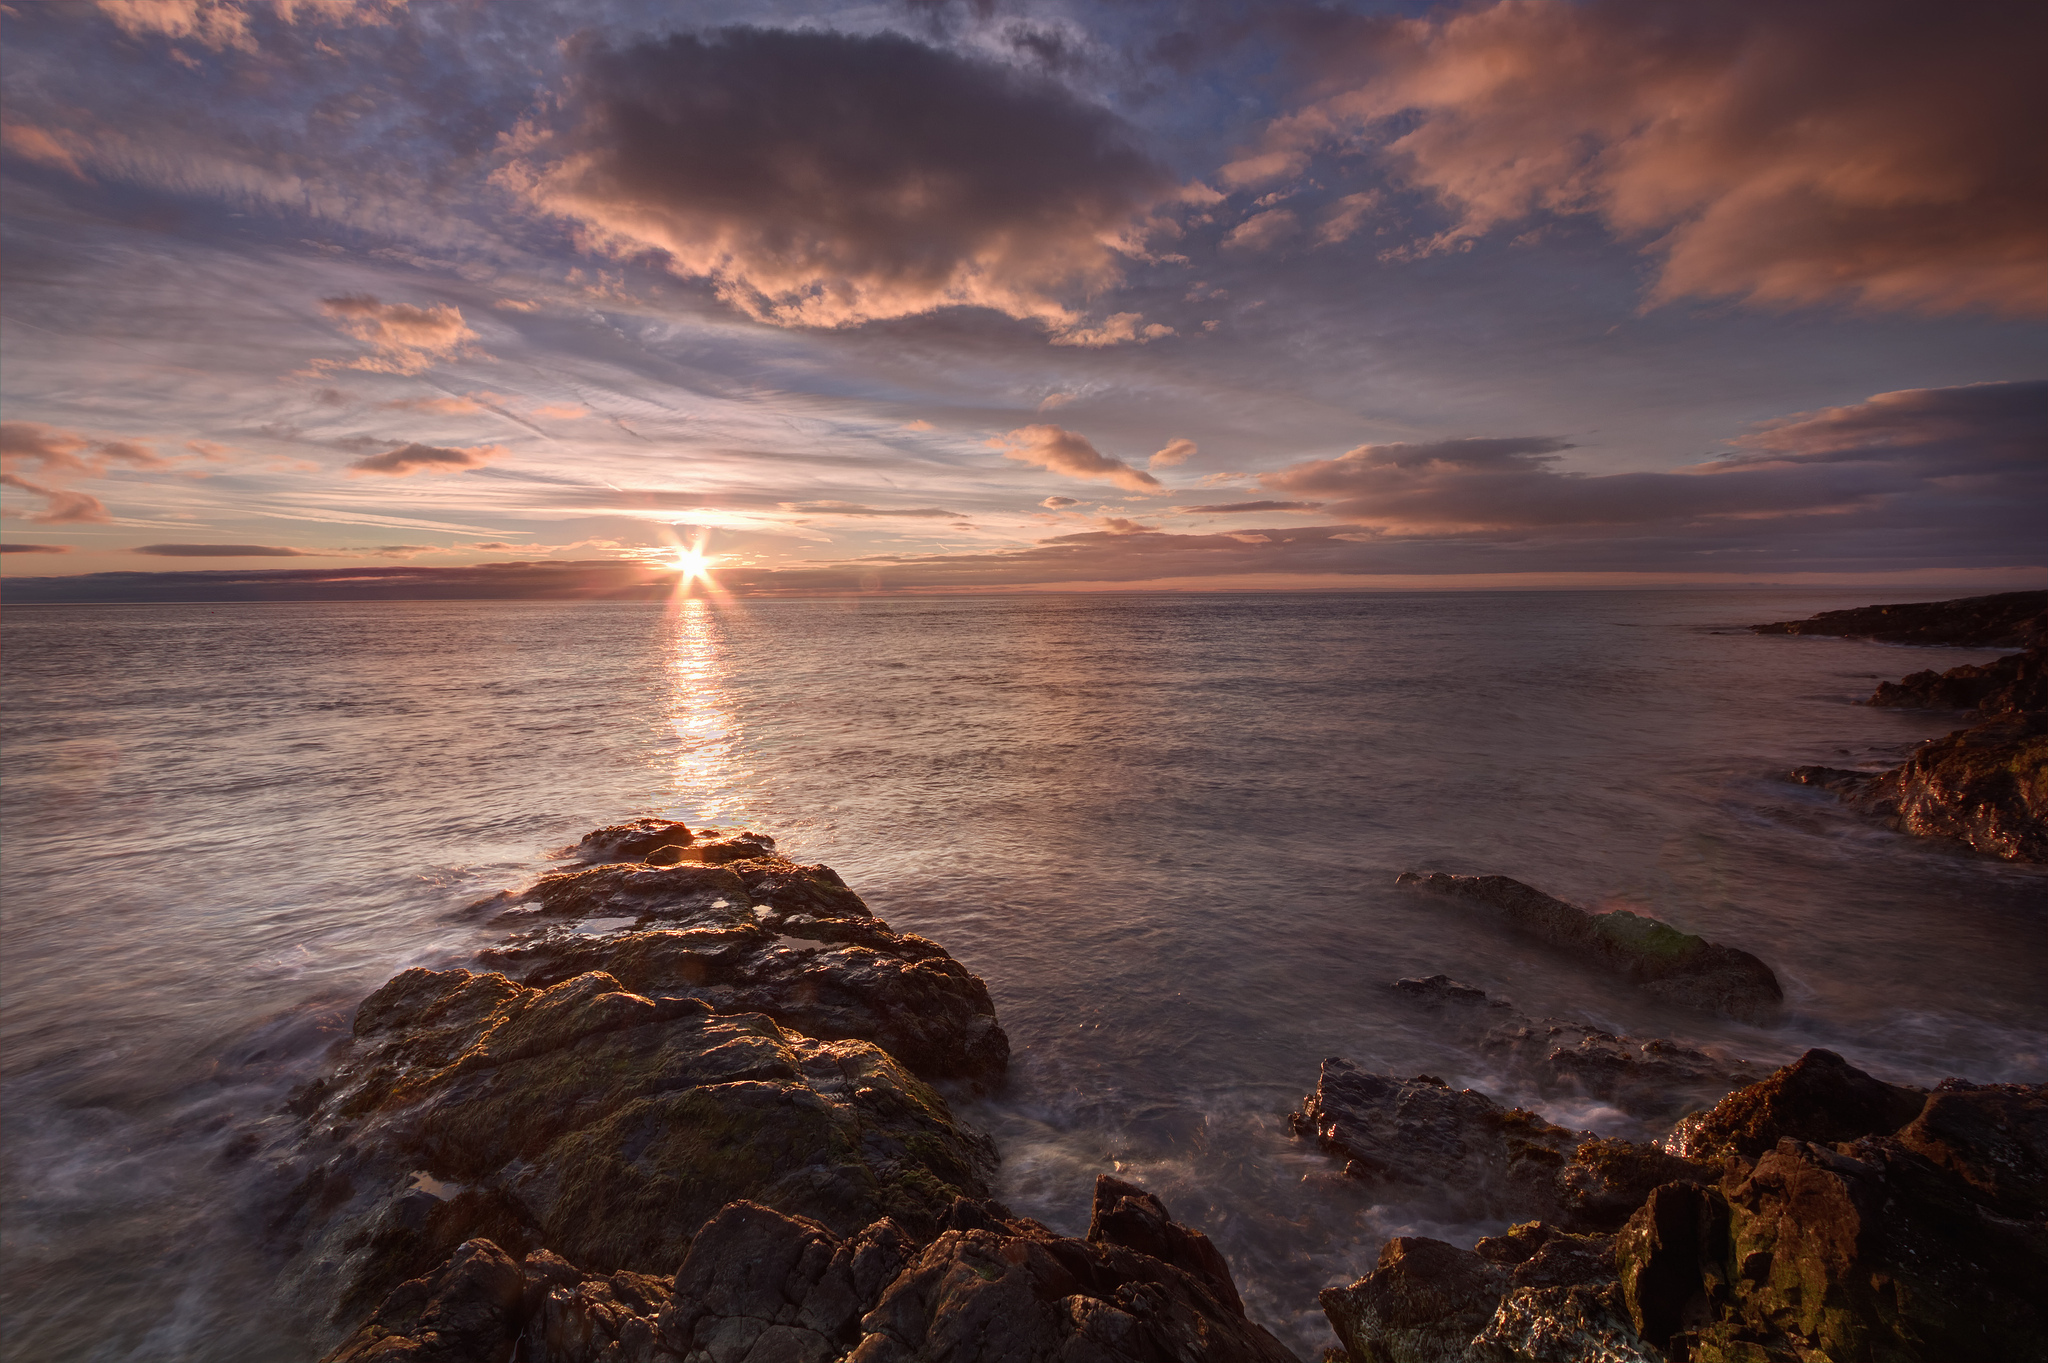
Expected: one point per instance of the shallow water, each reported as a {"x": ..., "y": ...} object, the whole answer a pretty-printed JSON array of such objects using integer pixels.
[{"x": 1164, "y": 829}]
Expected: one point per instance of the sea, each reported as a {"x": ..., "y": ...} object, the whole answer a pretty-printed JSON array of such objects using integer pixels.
[{"x": 1165, "y": 829}]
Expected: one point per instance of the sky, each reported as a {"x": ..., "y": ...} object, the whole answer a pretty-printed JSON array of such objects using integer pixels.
[{"x": 322, "y": 298}]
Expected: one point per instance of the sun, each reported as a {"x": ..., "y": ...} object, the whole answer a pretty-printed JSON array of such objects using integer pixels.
[{"x": 692, "y": 562}]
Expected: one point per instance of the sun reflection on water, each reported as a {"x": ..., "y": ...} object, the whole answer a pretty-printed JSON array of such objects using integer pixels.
[{"x": 707, "y": 778}]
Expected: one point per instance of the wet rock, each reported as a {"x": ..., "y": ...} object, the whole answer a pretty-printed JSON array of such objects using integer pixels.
[
  {"x": 1426, "y": 1142},
  {"x": 2008, "y": 686},
  {"x": 1671, "y": 964},
  {"x": 1127, "y": 1215},
  {"x": 1985, "y": 786},
  {"x": 1819, "y": 1097},
  {"x": 1424, "y": 1303},
  {"x": 905, "y": 994},
  {"x": 467, "y": 1311},
  {"x": 2005, "y": 620},
  {"x": 1841, "y": 1230},
  {"x": 633, "y": 840},
  {"x": 603, "y": 1125},
  {"x": 1850, "y": 1219},
  {"x": 1607, "y": 1180},
  {"x": 1653, "y": 1078},
  {"x": 1020, "y": 1292}
]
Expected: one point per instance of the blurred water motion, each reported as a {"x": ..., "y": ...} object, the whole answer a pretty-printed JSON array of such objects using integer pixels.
[{"x": 1164, "y": 829}]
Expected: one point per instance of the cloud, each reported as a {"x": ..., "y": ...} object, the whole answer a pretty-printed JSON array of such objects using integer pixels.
[
  {"x": 516, "y": 305},
  {"x": 1115, "y": 329},
  {"x": 406, "y": 339},
  {"x": 1962, "y": 459},
  {"x": 221, "y": 24},
  {"x": 827, "y": 179},
  {"x": 221, "y": 551},
  {"x": 397, "y": 550},
  {"x": 41, "y": 146},
  {"x": 441, "y": 406},
  {"x": 1344, "y": 217},
  {"x": 855, "y": 509},
  {"x": 1263, "y": 231},
  {"x": 406, "y": 460},
  {"x": 1058, "y": 503},
  {"x": 1867, "y": 150},
  {"x": 47, "y": 449},
  {"x": 16, "y": 547},
  {"x": 917, "y": 425},
  {"x": 1119, "y": 525},
  {"x": 1242, "y": 508},
  {"x": 1178, "y": 451},
  {"x": 562, "y": 411},
  {"x": 63, "y": 507},
  {"x": 1062, "y": 451}
]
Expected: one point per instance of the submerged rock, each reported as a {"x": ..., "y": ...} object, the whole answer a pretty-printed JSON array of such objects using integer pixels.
[
  {"x": 759, "y": 1284},
  {"x": 2004, "y": 620},
  {"x": 1428, "y": 1143},
  {"x": 1653, "y": 1078},
  {"x": 1671, "y": 964},
  {"x": 1986, "y": 787}
]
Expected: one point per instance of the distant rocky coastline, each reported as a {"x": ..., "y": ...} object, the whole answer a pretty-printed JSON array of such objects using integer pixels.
[
  {"x": 691, "y": 1112},
  {"x": 1986, "y": 785}
]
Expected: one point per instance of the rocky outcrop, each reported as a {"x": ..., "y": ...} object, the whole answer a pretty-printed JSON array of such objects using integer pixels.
[
  {"x": 1986, "y": 787},
  {"x": 2015, "y": 683},
  {"x": 1671, "y": 964},
  {"x": 758, "y": 1284},
  {"x": 1835, "y": 1216},
  {"x": 2006, "y": 620},
  {"x": 1652, "y": 1078},
  {"x": 685, "y": 1116}
]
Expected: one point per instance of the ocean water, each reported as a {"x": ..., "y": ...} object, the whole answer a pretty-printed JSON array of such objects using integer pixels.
[{"x": 1165, "y": 830}]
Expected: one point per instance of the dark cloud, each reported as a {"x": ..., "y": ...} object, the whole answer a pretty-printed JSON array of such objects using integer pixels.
[
  {"x": 1957, "y": 459},
  {"x": 601, "y": 579},
  {"x": 824, "y": 179},
  {"x": 1063, "y": 451},
  {"x": 19, "y": 548},
  {"x": 221, "y": 551},
  {"x": 1058, "y": 503},
  {"x": 1240, "y": 508},
  {"x": 406, "y": 460},
  {"x": 1876, "y": 150}
]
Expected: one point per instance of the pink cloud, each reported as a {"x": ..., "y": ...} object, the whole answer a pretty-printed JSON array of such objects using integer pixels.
[
  {"x": 1178, "y": 451},
  {"x": 1871, "y": 150},
  {"x": 1063, "y": 451},
  {"x": 406, "y": 460},
  {"x": 405, "y": 339}
]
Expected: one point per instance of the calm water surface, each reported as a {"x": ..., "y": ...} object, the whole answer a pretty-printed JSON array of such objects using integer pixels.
[{"x": 1163, "y": 829}]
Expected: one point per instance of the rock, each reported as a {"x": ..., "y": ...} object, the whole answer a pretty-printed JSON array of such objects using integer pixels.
[
  {"x": 632, "y": 841},
  {"x": 1653, "y": 1078},
  {"x": 1671, "y": 964},
  {"x": 1127, "y": 1215},
  {"x": 1608, "y": 1179},
  {"x": 1985, "y": 786},
  {"x": 467, "y": 1311},
  {"x": 2011, "y": 685},
  {"x": 2006, "y": 620},
  {"x": 1422, "y": 1304},
  {"x": 602, "y": 1125},
  {"x": 1843, "y": 1230},
  {"x": 1426, "y": 1142},
  {"x": 1848, "y": 1218},
  {"x": 1818, "y": 1097},
  {"x": 902, "y": 993},
  {"x": 1018, "y": 1293}
]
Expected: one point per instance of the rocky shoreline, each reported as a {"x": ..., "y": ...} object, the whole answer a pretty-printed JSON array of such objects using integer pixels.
[
  {"x": 694, "y": 1107},
  {"x": 1985, "y": 786}
]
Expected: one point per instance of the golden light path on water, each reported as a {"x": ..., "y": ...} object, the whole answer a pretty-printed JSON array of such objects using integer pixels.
[{"x": 707, "y": 780}]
